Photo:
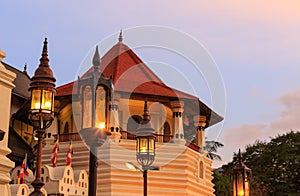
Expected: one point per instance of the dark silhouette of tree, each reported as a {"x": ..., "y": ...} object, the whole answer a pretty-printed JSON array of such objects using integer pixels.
[
  {"x": 275, "y": 165},
  {"x": 222, "y": 184},
  {"x": 212, "y": 147}
]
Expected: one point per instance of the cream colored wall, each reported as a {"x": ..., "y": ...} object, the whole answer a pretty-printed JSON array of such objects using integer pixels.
[
  {"x": 178, "y": 174},
  {"x": 20, "y": 190},
  {"x": 179, "y": 165},
  {"x": 6, "y": 85},
  {"x": 65, "y": 115},
  {"x": 76, "y": 111},
  {"x": 82, "y": 183},
  {"x": 62, "y": 180}
]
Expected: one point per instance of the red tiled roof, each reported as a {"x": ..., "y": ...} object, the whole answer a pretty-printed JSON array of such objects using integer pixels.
[
  {"x": 129, "y": 74},
  {"x": 66, "y": 89}
]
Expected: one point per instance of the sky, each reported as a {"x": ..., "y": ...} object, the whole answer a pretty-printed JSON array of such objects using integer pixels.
[{"x": 254, "y": 44}]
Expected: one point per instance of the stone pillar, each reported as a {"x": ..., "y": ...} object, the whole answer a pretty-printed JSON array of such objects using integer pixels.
[
  {"x": 200, "y": 123},
  {"x": 177, "y": 109},
  {"x": 113, "y": 113},
  {"x": 6, "y": 85}
]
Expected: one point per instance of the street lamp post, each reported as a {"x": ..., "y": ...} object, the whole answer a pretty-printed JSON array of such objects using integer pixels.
[
  {"x": 241, "y": 178},
  {"x": 145, "y": 145},
  {"x": 95, "y": 91},
  {"x": 41, "y": 112},
  {"x": 93, "y": 137}
]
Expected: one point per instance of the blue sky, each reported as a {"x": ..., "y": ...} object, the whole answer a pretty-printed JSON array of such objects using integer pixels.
[{"x": 255, "y": 45}]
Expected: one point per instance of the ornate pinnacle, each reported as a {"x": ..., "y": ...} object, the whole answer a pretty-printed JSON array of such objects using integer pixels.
[
  {"x": 146, "y": 116},
  {"x": 121, "y": 36},
  {"x": 96, "y": 59},
  {"x": 44, "y": 61}
]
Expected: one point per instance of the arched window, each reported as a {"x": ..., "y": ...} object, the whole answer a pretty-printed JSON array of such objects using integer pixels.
[
  {"x": 87, "y": 107},
  {"x": 23, "y": 191},
  {"x": 42, "y": 171},
  {"x": 66, "y": 128},
  {"x": 201, "y": 170},
  {"x": 100, "y": 115},
  {"x": 167, "y": 132}
]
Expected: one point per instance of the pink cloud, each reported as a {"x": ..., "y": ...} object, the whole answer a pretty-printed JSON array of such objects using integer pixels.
[
  {"x": 289, "y": 117},
  {"x": 237, "y": 137}
]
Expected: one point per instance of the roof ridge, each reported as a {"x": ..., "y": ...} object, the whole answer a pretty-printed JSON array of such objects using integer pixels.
[
  {"x": 145, "y": 67},
  {"x": 6, "y": 64},
  {"x": 117, "y": 59}
]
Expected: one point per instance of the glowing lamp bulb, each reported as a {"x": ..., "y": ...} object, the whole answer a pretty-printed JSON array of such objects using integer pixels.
[
  {"x": 241, "y": 193},
  {"x": 143, "y": 149},
  {"x": 37, "y": 105},
  {"x": 48, "y": 104},
  {"x": 101, "y": 125}
]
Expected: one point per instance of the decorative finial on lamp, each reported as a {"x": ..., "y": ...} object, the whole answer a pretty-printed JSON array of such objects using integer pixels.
[
  {"x": 96, "y": 59},
  {"x": 43, "y": 75},
  {"x": 146, "y": 116},
  {"x": 44, "y": 61}
]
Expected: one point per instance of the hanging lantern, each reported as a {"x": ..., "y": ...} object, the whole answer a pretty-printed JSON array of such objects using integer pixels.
[{"x": 241, "y": 178}]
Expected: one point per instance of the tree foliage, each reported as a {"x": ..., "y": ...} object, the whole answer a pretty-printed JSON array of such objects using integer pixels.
[
  {"x": 212, "y": 147},
  {"x": 222, "y": 184},
  {"x": 275, "y": 165}
]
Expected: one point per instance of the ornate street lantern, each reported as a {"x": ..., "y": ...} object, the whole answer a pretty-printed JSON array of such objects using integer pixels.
[
  {"x": 241, "y": 178},
  {"x": 145, "y": 146},
  {"x": 145, "y": 141},
  {"x": 41, "y": 112},
  {"x": 95, "y": 92}
]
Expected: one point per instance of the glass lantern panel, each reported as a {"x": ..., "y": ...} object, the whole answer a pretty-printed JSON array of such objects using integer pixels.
[
  {"x": 143, "y": 145},
  {"x": 35, "y": 99},
  {"x": 47, "y": 100},
  {"x": 151, "y": 144},
  {"x": 247, "y": 188},
  {"x": 100, "y": 108},
  {"x": 240, "y": 184},
  {"x": 87, "y": 107}
]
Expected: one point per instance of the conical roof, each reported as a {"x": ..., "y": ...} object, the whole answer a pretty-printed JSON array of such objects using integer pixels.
[
  {"x": 129, "y": 73},
  {"x": 132, "y": 76}
]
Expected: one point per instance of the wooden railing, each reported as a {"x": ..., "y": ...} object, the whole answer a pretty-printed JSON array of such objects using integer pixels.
[
  {"x": 129, "y": 136},
  {"x": 124, "y": 135},
  {"x": 158, "y": 137},
  {"x": 69, "y": 136}
]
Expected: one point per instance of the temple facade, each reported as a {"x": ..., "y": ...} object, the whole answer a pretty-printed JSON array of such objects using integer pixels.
[
  {"x": 180, "y": 144},
  {"x": 179, "y": 120}
]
